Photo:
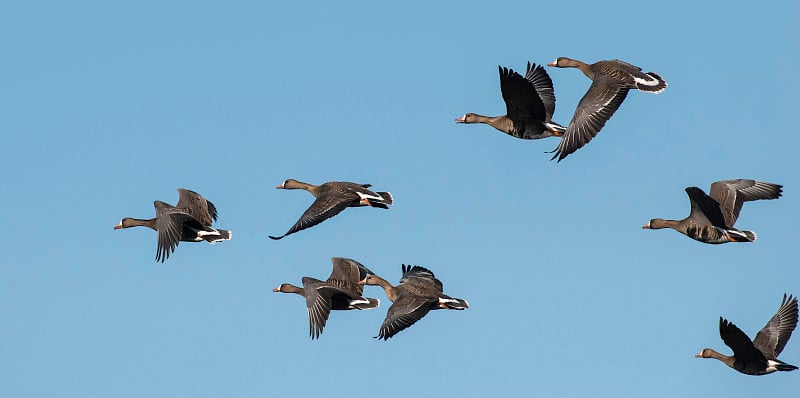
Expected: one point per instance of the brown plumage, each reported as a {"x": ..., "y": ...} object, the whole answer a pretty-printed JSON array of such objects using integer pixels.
[
  {"x": 341, "y": 291},
  {"x": 418, "y": 293},
  {"x": 712, "y": 216},
  {"x": 611, "y": 81},
  {"x": 332, "y": 198},
  {"x": 189, "y": 221},
  {"x": 530, "y": 103},
  {"x": 760, "y": 356}
]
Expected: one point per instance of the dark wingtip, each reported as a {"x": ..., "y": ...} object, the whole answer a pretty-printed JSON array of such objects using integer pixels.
[
  {"x": 276, "y": 237},
  {"x": 785, "y": 367}
]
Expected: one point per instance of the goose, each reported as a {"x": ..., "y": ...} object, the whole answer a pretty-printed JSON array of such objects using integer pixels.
[
  {"x": 189, "y": 221},
  {"x": 341, "y": 291},
  {"x": 760, "y": 356},
  {"x": 611, "y": 81},
  {"x": 418, "y": 292},
  {"x": 332, "y": 198},
  {"x": 712, "y": 216},
  {"x": 530, "y": 103}
]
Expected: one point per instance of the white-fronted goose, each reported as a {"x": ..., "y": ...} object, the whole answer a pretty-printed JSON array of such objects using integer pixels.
[
  {"x": 418, "y": 292},
  {"x": 342, "y": 291},
  {"x": 712, "y": 217},
  {"x": 530, "y": 103},
  {"x": 611, "y": 81},
  {"x": 332, "y": 198},
  {"x": 760, "y": 356},
  {"x": 189, "y": 221}
]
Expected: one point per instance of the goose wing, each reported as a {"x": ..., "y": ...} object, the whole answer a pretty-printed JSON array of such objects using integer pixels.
[
  {"x": 731, "y": 194},
  {"x": 543, "y": 85},
  {"x": 522, "y": 100},
  {"x": 773, "y": 337},
  {"x": 406, "y": 310},
  {"x": 743, "y": 348},
  {"x": 170, "y": 222},
  {"x": 705, "y": 210},
  {"x": 196, "y": 205},
  {"x": 348, "y": 272},
  {"x": 603, "y": 98},
  {"x": 322, "y": 209}
]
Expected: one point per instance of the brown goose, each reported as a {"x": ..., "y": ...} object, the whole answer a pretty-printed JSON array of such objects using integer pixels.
[
  {"x": 332, "y": 198},
  {"x": 342, "y": 291},
  {"x": 189, "y": 221},
  {"x": 530, "y": 103},
  {"x": 418, "y": 292},
  {"x": 760, "y": 356},
  {"x": 611, "y": 81},
  {"x": 712, "y": 217}
]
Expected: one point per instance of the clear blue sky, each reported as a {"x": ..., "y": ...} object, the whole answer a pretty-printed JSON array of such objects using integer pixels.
[{"x": 107, "y": 107}]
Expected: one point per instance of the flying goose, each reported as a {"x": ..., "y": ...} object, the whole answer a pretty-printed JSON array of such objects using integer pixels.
[
  {"x": 189, "y": 221},
  {"x": 332, "y": 198},
  {"x": 611, "y": 81},
  {"x": 342, "y": 291},
  {"x": 530, "y": 103},
  {"x": 712, "y": 216},
  {"x": 760, "y": 356},
  {"x": 418, "y": 292}
]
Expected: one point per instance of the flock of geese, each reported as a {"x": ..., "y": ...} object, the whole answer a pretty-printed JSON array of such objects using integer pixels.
[{"x": 530, "y": 104}]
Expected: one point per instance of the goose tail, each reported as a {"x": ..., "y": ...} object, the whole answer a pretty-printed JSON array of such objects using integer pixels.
[
  {"x": 652, "y": 84},
  {"x": 224, "y": 234},
  {"x": 740, "y": 236}
]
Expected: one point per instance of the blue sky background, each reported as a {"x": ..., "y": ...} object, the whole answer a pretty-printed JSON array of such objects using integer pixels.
[{"x": 107, "y": 107}]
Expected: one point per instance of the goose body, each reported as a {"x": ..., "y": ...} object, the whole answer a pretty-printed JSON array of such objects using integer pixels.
[
  {"x": 418, "y": 293},
  {"x": 712, "y": 216},
  {"x": 760, "y": 356},
  {"x": 341, "y": 291},
  {"x": 611, "y": 81},
  {"x": 530, "y": 103},
  {"x": 332, "y": 198},
  {"x": 189, "y": 221}
]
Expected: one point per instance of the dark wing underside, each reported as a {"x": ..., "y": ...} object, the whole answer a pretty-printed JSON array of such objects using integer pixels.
[
  {"x": 170, "y": 223},
  {"x": 543, "y": 85},
  {"x": 743, "y": 348},
  {"x": 522, "y": 100},
  {"x": 322, "y": 209},
  {"x": 405, "y": 311},
  {"x": 603, "y": 98},
  {"x": 317, "y": 304},
  {"x": 705, "y": 210}
]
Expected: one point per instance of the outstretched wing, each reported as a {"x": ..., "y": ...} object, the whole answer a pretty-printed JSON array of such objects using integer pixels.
[
  {"x": 773, "y": 337},
  {"x": 522, "y": 100},
  {"x": 731, "y": 194},
  {"x": 603, "y": 98},
  {"x": 322, "y": 209},
  {"x": 537, "y": 75},
  {"x": 170, "y": 222},
  {"x": 705, "y": 210},
  {"x": 404, "y": 312},
  {"x": 743, "y": 348}
]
